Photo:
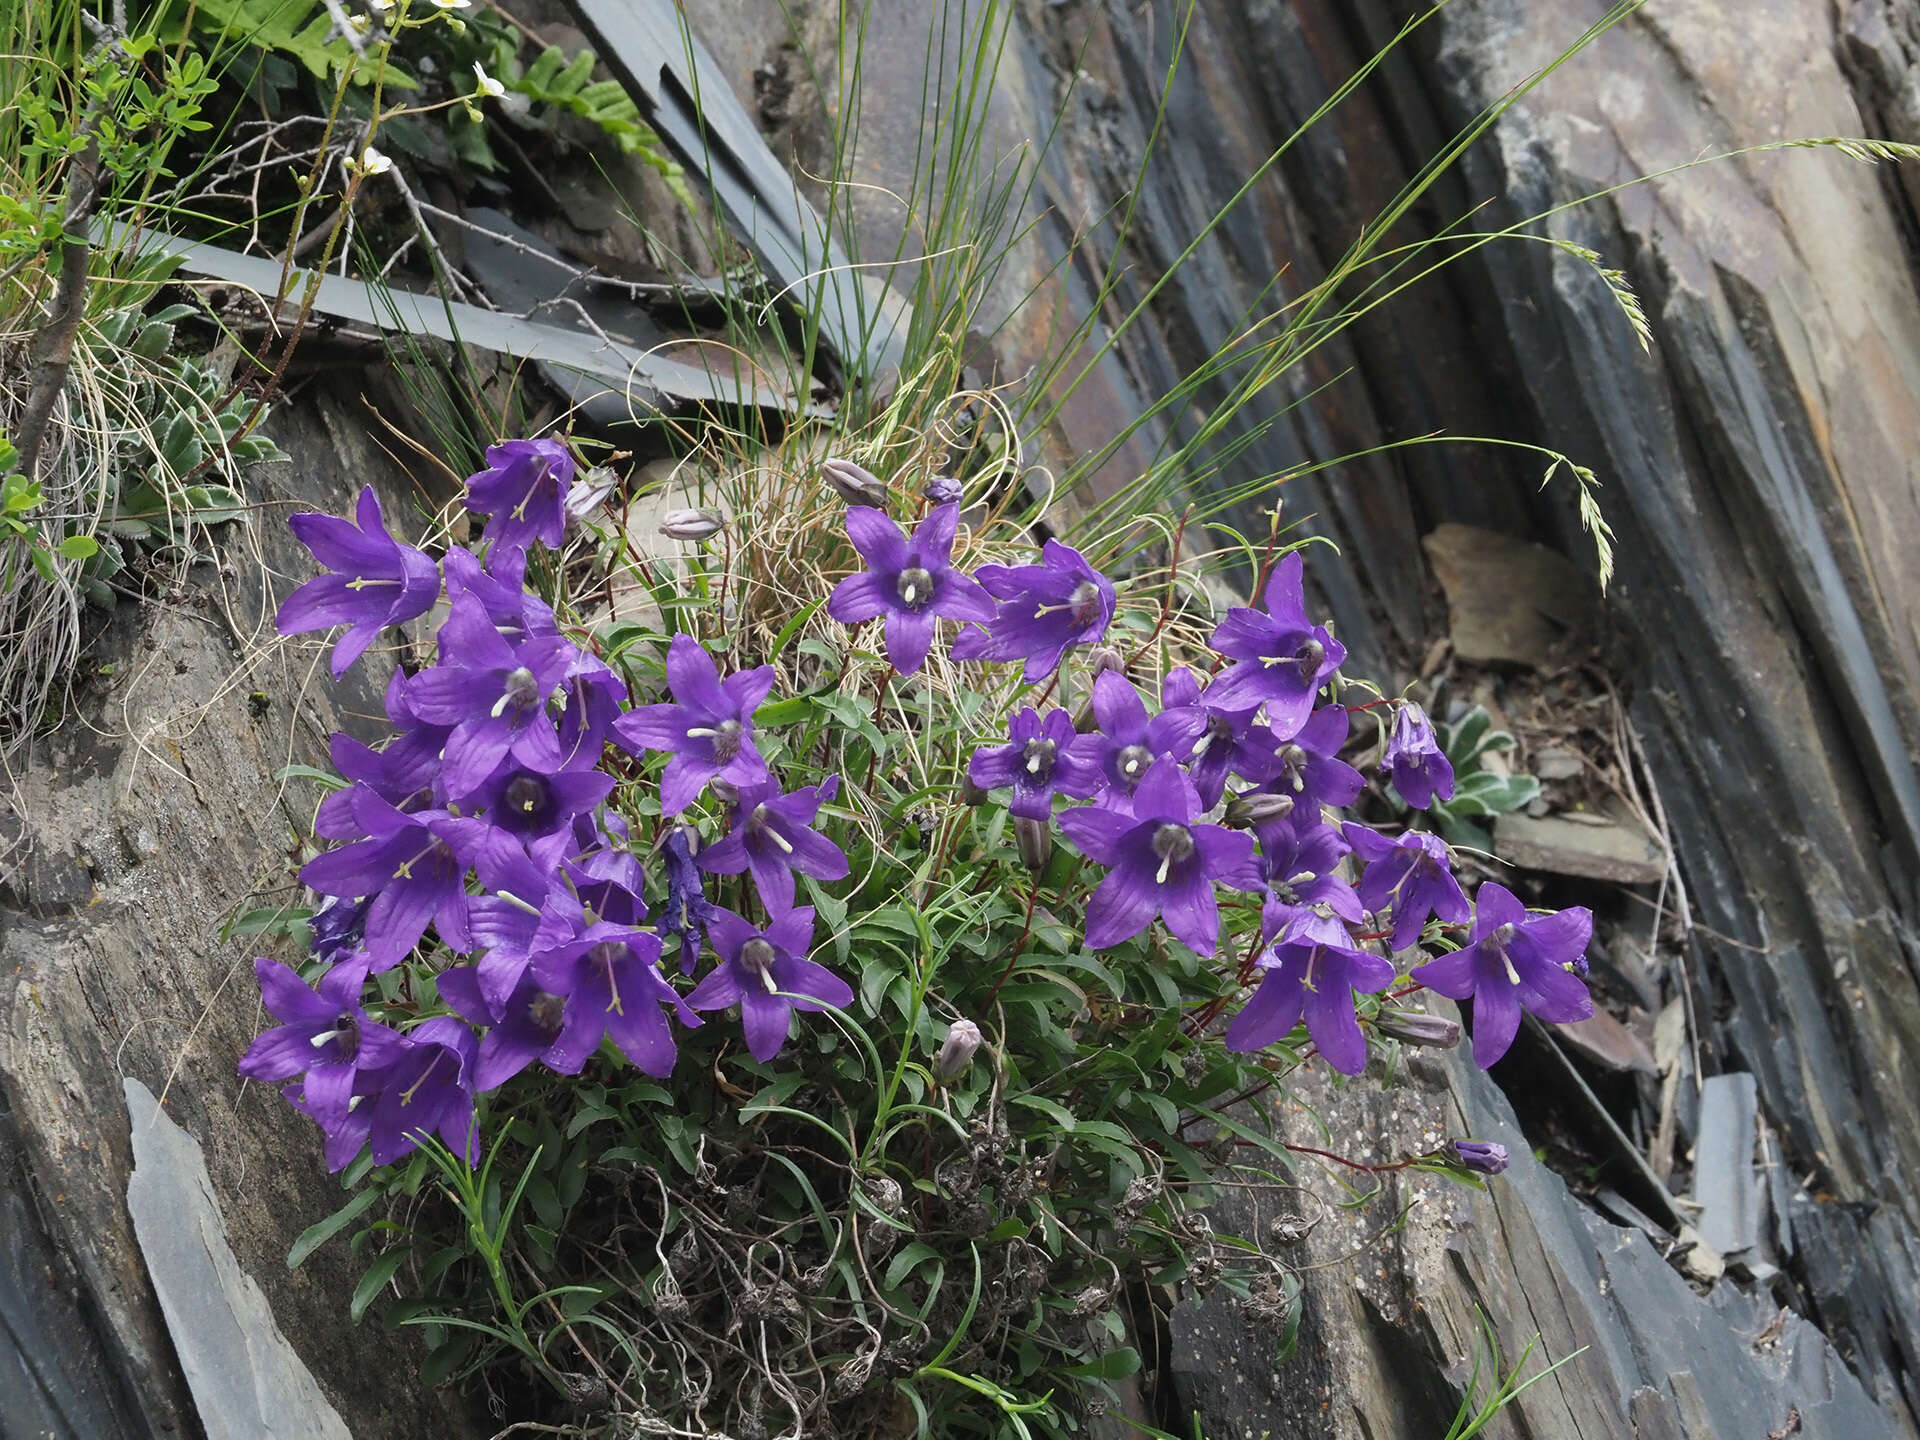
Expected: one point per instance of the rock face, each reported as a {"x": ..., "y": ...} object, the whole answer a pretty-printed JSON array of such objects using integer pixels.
[
  {"x": 151, "y": 816},
  {"x": 1756, "y": 468}
]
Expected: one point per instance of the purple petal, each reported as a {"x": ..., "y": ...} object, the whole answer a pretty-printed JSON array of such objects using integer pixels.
[
  {"x": 877, "y": 538},
  {"x": 859, "y": 598},
  {"x": 765, "y": 1019},
  {"x": 933, "y": 539},
  {"x": 909, "y": 637},
  {"x": 1191, "y": 913},
  {"x": 694, "y": 679},
  {"x": 1270, "y": 1014},
  {"x": 1098, "y": 832},
  {"x": 1334, "y": 1027},
  {"x": 1122, "y": 907},
  {"x": 1496, "y": 1020}
]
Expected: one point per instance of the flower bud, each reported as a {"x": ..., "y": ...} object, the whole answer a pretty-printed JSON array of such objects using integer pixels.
[
  {"x": 956, "y": 1053},
  {"x": 1035, "y": 839},
  {"x": 691, "y": 524},
  {"x": 586, "y": 495},
  {"x": 1104, "y": 657},
  {"x": 943, "y": 490},
  {"x": 1244, "y": 812},
  {"x": 1483, "y": 1157},
  {"x": 970, "y": 793},
  {"x": 853, "y": 484},
  {"x": 1416, "y": 1027}
]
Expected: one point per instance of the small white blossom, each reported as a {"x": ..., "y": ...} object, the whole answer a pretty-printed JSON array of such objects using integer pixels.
[
  {"x": 453, "y": 4},
  {"x": 372, "y": 162},
  {"x": 485, "y": 84}
]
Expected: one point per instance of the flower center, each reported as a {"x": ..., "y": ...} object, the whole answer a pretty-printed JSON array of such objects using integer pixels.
[
  {"x": 914, "y": 586},
  {"x": 544, "y": 1011},
  {"x": 1085, "y": 604},
  {"x": 1038, "y": 759},
  {"x": 1293, "y": 762},
  {"x": 757, "y": 955},
  {"x": 1310, "y": 657},
  {"x": 522, "y": 691},
  {"x": 1219, "y": 728},
  {"x": 726, "y": 740},
  {"x": 1130, "y": 764},
  {"x": 1502, "y": 937},
  {"x": 345, "y": 1036},
  {"x": 1173, "y": 844},
  {"x": 526, "y": 795},
  {"x": 760, "y": 826}
]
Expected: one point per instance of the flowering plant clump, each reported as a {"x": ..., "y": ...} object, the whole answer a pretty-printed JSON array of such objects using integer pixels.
[{"x": 755, "y": 1020}]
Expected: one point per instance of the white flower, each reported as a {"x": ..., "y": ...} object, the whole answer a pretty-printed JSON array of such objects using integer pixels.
[
  {"x": 485, "y": 84},
  {"x": 380, "y": 7},
  {"x": 361, "y": 23},
  {"x": 372, "y": 162},
  {"x": 453, "y": 4}
]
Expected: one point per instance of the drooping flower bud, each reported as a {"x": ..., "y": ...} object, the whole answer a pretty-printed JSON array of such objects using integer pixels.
[
  {"x": 853, "y": 484},
  {"x": 586, "y": 495},
  {"x": 691, "y": 524},
  {"x": 1035, "y": 839},
  {"x": 944, "y": 490},
  {"x": 957, "y": 1051},
  {"x": 1245, "y": 812},
  {"x": 1104, "y": 657},
  {"x": 1483, "y": 1157},
  {"x": 970, "y": 793},
  {"x": 1417, "y": 1027}
]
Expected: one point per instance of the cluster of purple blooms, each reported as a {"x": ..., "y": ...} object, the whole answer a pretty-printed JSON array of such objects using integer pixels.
[{"x": 484, "y": 820}]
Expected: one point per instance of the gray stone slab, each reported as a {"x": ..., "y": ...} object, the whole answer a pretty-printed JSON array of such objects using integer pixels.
[{"x": 1724, "y": 1181}]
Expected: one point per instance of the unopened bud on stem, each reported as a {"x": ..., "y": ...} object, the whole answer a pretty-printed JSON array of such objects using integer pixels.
[
  {"x": 1244, "y": 812},
  {"x": 1483, "y": 1157},
  {"x": 943, "y": 490},
  {"x": 957, "y": 1052},
  {"x": 1416, "y": 1027},
  {"x": 853, "y": 484},
  {"x": 691, "y": 524},
  {"x": 1035, "y": 839}
]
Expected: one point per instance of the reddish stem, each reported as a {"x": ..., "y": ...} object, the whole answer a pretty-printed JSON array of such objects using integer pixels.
[{"x": 1019, "y": 946}]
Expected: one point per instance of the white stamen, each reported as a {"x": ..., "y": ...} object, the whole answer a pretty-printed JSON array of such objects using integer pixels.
[
  {"x": 908, "y": 593},
  {"x": 766, "y": 979},
  {"x": 1301, "y": 878},
  {"x": 353, "y": 1103},
  {"x": 702, "y": 734},
  {"x": 1166, "y": 861},
  {"x": 517, "y": 902},
  {"x": 1131, "y": 766},
  {"x": 1512, "y": 974},
  {"x": 1033, "y": 765},
  {"x": 779, "y": 839},
  {"x": 500, "y": 705},
  {"x": 1201, "y": 748},
  {"x": 325, "y": 1037}
]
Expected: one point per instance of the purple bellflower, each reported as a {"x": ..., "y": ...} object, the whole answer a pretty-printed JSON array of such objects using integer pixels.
[
  {"x": 415, "y": 867},
  {"x": 494, "y": 694},
  {"x": 525, "y": 1027},
  {"x": 429, "y": 1090},
  {"x": 1301, "y": 863},
  {"x": 767, "y": 974},
  {"x": 1121, "y": 750},
  {"x": 773, "y": 836},
  {"x": 533, "y": 804},
  {"x": 1308, "y": 766},
  {"x": 686, "y": 911},
  {"x": 324, "y": 1036},
  {"x": 524, "y": 490},
  {"x": 338, "y": 929},
  {"x": 1417, "y": 765},
  {"x": 1281, "y": 658},
  {"x": 910, "y": 582},
  {"x": 1212, "y": 743},
  {"x": 610, "y": 976},
  {"x": 1039, "y": 761},
  {"x": 1514, "y": 962},
  {"x": 1043, "y": 611},
  {"x": 1313, "y": 969},
  {"x": 500, "y": 588},
  {"x": 376, "y": 581},
  {"x": 1413, "y": 875},
  {"x": 1162, "y": 862},
  {"x": 708, "y": 729}
]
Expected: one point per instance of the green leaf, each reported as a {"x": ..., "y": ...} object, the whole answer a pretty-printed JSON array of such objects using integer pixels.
[
  {"x": 1114, "y": 1365},
  {"x": 907, "y": 1261},
  {"x": 324, "y": 778},
  {"x": 1060, "y": 1114},
  {"x": 316, "y": 1235},
  {"x": 78, "y": 547},
  {"x": 374, "y": 1281}
]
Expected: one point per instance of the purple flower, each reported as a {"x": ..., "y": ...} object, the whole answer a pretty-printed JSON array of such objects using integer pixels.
[
  {"x": 1301, "y": 863},
  {"x": 415, "y": 867},
  {"x": 377, "y": 581},
  {"x": 500, "y": 588},
  {"x": 324, "y": 1036},
  {"x": 944, "y": 490},
  {"x": 1308, "y": 766},
  {"x": 1039, "y": 761},
  {"x": 1121, "y": 750},
  {"x": 524, "y": 490},
  {"x": 1212, "y": 743},
  {"x": 430, "y": 1089},
  {"x": 590, "y": 704},
  {"x": 610, "y": 976},
  {"x": 525, "y": 1027},
  {"x": 494, "y": 695},
  {"x": 337, "y": 928},
  {"x": 1413, "y": 875},
  {"x": 1043, "y": 609},
  {"x": 767, "y": 974},
  {"x": 1281, "y": 658},
  {"x": 708, "y": 730},
  {"x": 910, "y": 582},
  {"x": 686, "y": 910},
  {"x": 1484, "y": 1157},
  {"x": 772, "y": 836},
  {"x": 1420, "y": 769},
  {"x": 1514, "y": 962},
  {"x": 1162, "y": 862},
  {"x": 1314, "y": 970},
  {"x": 531, "y": 804}
]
